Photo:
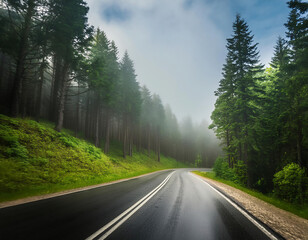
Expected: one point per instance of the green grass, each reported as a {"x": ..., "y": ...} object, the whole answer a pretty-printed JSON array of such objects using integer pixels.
[
  {"x": 297, "y": 209},
  {"x": 35, "y": 160}
]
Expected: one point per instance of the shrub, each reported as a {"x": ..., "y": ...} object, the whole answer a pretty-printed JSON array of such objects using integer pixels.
[
  {"x": 222, "y": 170},
  {"x": 240, "y": 170},
  {"x": 289, "y": 183},
  {"x": 219, "y": 166}
]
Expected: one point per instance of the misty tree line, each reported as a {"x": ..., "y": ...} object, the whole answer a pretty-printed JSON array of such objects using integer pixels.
[
  {"x": 54, "y": 66},
  {"x": 261, "y": 115}
]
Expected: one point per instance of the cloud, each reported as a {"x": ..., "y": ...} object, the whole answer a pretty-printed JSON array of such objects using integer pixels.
[{"x": 116, "y": 13}]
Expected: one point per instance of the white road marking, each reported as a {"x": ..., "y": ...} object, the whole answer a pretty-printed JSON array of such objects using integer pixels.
[
  {"x": 128, "y": 213},
  {"x": 66, "y": 192},
  {"x": 265, "y": 231}
]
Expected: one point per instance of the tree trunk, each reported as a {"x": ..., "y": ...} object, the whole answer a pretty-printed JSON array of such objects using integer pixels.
[
  {"x": 23, "y": 102},
  {"x": 87, "y": 120},
  {"x": 21, "y": 56},
  {"x": 158, "y": 148},
  {"x": 2, "y": 56},
  {"x": 245, "y": 147},
  {"x": 59, "y": 71},
  {"x": 51, "y": 103},
  {"x": 149, "y": 141},
  {"x": 124, "y": 136},
  {"x": 299, "y": 139},
  {"x": 130, "y": 143},
  {"x": 119, "y": 129},
  {"x": 228, "y": 150},
  {"x": 39, "y": 92},
  {"x": 62, "y": 97},
  {"x": 139, "y": 138},
  {"x": 97, "y": 126},
  {"x": 106, "y": 149},
  {"x": 77, "y": 111}
]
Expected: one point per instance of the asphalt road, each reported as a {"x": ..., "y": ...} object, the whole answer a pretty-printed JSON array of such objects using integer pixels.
[{"x": 165, "y": 205}]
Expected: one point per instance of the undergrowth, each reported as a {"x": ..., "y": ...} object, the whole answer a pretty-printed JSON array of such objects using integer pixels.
[
  {"x": 35, "y": 159},
  {"x": 300, "y": 210}
]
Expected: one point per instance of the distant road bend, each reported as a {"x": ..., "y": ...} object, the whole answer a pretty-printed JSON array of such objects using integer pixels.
[{"x": 163, "y": 205}]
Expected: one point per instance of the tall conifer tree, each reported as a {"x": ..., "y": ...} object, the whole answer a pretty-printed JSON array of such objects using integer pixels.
[
  {"x": 297, "y": 84},
  {"x": 234, "y": 112},
  {"x": 130, "y": 101}
]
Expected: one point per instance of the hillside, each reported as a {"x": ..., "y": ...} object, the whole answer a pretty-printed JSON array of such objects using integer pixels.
[{"x": 35, "y": 159}]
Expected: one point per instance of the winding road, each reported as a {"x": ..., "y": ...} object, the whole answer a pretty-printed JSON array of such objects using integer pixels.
[{"x": 173, "y": 204}]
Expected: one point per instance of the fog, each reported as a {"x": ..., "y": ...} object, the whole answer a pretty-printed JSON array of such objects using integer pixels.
[{"x": 178, "y": 46}]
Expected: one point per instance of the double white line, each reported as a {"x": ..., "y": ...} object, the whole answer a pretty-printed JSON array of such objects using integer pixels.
[{"x": 115, "y": 223}]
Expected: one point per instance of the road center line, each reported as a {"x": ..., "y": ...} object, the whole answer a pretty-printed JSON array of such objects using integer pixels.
[
  {"x": 258, "y": 225},
  {"x": 128, "y": 213}
]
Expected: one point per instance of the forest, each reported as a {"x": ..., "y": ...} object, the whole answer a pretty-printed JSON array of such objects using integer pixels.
[
  {"x": 261, "y": 114},
  {"x": 54, "y": 66}
]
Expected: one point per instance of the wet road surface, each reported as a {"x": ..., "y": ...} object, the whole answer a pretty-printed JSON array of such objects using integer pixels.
[{"x": 164, "y": 205}]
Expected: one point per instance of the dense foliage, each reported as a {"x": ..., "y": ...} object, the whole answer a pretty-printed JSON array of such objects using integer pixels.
[
  {"x": 261, "y": 115},
  {"x": 54, "y": 66},
  {"x": 289, "y": 183}
]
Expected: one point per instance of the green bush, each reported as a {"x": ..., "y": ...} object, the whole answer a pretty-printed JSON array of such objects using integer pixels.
[
  {"x": 289, "y": 183},
  {"x": 219, "y": 166},
  {"x": 222, "y": 170},
  {"x": 240, "y": 170}
]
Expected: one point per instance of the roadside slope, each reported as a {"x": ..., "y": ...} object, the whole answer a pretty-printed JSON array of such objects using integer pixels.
[{"x": 35, "y": 160}]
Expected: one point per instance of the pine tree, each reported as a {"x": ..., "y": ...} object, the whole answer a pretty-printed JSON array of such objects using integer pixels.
[
  {"x": 19, "y": 24},
  {"x": 223, "y": 115},
  {"x": 235, "y": 108},
  {"x": 281, "y": 56},
  {"x": 70, "y": 35},
  {"x": 158, "y": 121},
  {"x": 297, "y": 84},
  {"x": 171, "y": 135},
  {"x": 130, "y": 101},
  {"x": 113, "y": 94},
  {"x": 99, "y": 80},
  {"x": 146, "y": 116}
]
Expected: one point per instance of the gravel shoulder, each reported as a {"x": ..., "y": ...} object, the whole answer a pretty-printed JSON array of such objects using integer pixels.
[{"x": 285, "y": 223}]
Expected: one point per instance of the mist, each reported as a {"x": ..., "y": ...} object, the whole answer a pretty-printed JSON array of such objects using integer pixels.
[
  {"x": 153, "y": 64},
  {"x": 178, "y": 47}
]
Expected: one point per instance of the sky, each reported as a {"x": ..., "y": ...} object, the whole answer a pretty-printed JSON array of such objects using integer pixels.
[{"x": 178, "y": 46}]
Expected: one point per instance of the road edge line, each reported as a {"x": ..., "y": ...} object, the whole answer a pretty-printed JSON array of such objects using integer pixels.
[
  {"x": 121, "y": 218},
  {"x": 133, "y": 211},
  {"x": 257, "y": 222},
  {"x": 31, "y": 199}
]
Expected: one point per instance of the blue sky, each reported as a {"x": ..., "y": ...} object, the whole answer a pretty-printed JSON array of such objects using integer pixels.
[{"x": 178, "y": 46}]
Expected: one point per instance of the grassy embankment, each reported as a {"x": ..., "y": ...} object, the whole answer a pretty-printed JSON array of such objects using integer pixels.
[
  {"x": 300, "y": 210},
  {"x": 35, "y": 160}
]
